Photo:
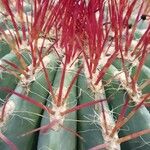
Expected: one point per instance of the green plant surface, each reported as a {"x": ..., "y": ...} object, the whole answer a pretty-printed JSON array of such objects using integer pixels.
[
  {"x": 6, "y": 78},
  {"x": 88, "y": 125},
  {"x": 26, "y": 115},
  {"x": 135, "y": 124},
  {"x": 4, "y": 48},
  {"x": 62, "y": 132},
  {"x": 74, "y": 75}
]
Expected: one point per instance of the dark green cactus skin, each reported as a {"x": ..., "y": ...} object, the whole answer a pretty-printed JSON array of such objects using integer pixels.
[
  {"x": 4, "y": 48},
  {"x": 133, "y": 125},
  {"x": 7, "y": 79},
  {"x": 147, "y": 62},
  {"x": 78, "y": 95},
  {"x": 11, "y": 57},
  {"x": 138, "y": 122},
  {"x": 90, "y": 131},
  {"x": 38, "y": 90},
  {"x": 144, "y": 75},
  {"x": 65, "y": 139}
]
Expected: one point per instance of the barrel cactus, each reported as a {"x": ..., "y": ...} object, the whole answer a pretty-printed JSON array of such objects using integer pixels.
[{"x": 74, "y": 75}]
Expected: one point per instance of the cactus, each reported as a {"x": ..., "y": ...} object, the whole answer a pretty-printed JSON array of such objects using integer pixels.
[{"x": 74, "y": 75}]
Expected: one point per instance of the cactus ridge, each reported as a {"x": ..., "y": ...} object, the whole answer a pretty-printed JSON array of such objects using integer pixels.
[{"x": 74, "y": 75}]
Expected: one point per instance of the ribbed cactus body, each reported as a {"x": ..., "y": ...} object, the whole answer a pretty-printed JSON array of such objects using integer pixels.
[{"x": 74, "y": 75}]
